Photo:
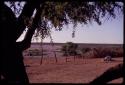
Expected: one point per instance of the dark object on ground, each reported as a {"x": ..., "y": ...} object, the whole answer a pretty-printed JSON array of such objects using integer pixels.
[{"x": 109, "y": 75}]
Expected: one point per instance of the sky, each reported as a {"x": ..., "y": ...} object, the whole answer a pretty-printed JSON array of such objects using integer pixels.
[{"x": 110, "y": 32}]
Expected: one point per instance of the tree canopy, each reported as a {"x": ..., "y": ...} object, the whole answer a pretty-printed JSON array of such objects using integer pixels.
[{"x": 59, "y": 13}]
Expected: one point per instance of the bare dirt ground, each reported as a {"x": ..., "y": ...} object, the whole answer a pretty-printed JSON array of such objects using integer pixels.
[{"x": 78, "y": 71}]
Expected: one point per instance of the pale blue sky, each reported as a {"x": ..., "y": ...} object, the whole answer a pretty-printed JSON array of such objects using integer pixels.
[{"x": 110, "y": 32}]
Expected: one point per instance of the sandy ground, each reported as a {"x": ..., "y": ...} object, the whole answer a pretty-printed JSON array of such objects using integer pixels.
[{"x": 73, "y": 71}]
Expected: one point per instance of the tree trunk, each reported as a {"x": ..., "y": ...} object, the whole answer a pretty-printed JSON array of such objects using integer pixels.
[
  {"x": 12, "y": 66},
  {"x": 28, "y": 37}
]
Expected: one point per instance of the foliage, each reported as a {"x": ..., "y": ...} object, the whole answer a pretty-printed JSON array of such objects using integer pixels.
[
  {"x": 103, "y": 51},
  {"x": 69, "y": 49},
  {"x": 114, "y": 52},
  {"x": 59, "y": 13}
]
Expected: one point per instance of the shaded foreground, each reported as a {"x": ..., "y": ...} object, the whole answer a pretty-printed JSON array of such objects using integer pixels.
[{"x": 78, "y": 71}]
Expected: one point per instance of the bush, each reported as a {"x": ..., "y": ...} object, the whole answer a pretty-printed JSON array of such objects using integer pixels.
[
  {"x": 69, "y": 48},
  {"x": 113, "y": 52}
]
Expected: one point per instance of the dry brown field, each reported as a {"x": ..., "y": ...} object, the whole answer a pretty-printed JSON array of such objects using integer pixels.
[{"x": 73, "y": 71}]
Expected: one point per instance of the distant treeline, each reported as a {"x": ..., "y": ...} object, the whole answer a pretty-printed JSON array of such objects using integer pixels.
[
  {"x": 88, "y": 51},
  {"x": 82, "y": 44},
  {"x": 79, "y": 49}
]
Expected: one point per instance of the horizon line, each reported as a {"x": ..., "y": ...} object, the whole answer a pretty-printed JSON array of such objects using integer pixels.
[{"x": 79, "y": 43}]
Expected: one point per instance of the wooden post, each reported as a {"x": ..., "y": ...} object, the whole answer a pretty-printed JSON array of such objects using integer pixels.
[
  {"x": 51, "y": 40},
  {"x": 55, "y": 56},
  {"x": 67, "y": 57},
  {"x": 41, "y": 61}
]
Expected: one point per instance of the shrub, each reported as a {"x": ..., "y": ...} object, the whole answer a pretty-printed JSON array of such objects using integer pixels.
[{"x": 69, "y": 48}]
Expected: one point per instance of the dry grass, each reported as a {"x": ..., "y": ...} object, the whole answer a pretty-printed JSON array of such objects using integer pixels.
[{"x": 78, "y": 71}]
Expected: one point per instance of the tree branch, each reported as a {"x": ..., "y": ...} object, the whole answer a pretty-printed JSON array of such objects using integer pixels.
[
  {"x": 111, "y": 74},
  {"x": 27, "y": 12},
  {"x": 27, "y": 40}
]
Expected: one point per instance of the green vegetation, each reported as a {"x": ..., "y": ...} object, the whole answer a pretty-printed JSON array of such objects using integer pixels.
[
  {"x": 69, "y": 49},
  {"x": 114, "y": 52}
]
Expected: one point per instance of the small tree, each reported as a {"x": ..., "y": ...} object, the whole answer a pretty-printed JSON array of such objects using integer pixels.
[{"x": 69, "y": 49}]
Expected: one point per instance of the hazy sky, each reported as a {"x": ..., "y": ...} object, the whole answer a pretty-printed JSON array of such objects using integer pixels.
[{"x": 110, "y": 31}]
